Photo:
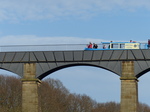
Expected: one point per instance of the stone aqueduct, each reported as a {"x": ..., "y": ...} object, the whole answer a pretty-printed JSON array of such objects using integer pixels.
[{"x": 34, "y": 66}]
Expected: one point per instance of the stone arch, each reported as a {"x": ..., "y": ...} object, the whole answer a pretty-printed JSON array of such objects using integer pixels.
[
  {"x": 12, "y": 72},
  {"x": 16, "y": 68},
  {"x": 46, "y": 73},
  {"x": 142, "y": 72}
]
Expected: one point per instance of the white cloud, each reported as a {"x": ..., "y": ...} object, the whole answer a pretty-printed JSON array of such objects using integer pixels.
[{"x": 48, "y": 9}]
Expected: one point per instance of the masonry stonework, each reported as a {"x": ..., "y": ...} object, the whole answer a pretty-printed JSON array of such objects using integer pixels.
[
  {"x": 129, "y": 88},
  {"x": 30, "y": 89}
]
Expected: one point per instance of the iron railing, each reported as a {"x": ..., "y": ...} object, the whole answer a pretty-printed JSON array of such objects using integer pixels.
[{"x": 51, "y": 47}]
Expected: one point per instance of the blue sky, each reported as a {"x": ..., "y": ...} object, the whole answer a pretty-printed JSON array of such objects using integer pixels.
[{"x": 79, "y": 21}]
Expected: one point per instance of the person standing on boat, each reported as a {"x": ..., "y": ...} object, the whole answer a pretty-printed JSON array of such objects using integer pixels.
[
  {"x": 89, "y": 45},
  {"x": 95, "y": 46}
]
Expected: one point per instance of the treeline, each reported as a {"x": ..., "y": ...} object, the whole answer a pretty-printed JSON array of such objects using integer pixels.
[{"x": 54, "y": 98}]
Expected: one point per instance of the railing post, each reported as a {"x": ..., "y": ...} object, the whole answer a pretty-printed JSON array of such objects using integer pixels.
[
  {"x": 129, "y": 88},
  {"x": 30, "y": 89}
]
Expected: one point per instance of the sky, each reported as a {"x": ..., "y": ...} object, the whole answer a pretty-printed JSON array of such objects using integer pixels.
[{"x": 38, "y": 22}]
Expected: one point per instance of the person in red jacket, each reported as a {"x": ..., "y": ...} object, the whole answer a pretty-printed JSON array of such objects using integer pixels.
[{"x": 89, "y": 45}]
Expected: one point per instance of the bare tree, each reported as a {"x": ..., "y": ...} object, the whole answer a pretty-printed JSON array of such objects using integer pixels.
[
  {"x": 107, "y": 107},
  {"x": 143, "y": 108},
  {"x": 10, "y": 94},
  {"x": 54, "y": 98}
]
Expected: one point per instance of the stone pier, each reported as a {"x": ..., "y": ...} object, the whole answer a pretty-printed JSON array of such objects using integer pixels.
[
  {"x": 30, "y": 87},
  {"x": 129, "y": 88}
]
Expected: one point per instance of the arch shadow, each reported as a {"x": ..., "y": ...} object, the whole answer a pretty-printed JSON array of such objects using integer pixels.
[{"x": 142, "y": 73}]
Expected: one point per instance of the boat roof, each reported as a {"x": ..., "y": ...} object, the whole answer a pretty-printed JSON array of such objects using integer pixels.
[{"x": 118, "y": 42}]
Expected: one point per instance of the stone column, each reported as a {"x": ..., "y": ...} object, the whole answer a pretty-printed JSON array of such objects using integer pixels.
[
  {"x": 129, "y": 88},
  {"x": 30, "y": 86}
]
